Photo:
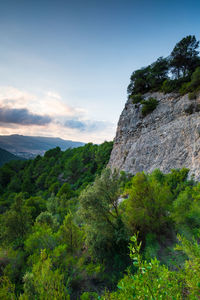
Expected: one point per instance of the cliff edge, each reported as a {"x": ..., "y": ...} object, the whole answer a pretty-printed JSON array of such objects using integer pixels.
[{"x": 167, "y": 138}]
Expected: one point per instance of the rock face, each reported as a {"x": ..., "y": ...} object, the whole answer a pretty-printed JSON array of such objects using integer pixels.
[{"x": 167, "y": 138}]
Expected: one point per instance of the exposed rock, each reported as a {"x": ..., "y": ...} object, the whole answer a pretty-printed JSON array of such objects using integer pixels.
[{"x": 167, "y": 138}]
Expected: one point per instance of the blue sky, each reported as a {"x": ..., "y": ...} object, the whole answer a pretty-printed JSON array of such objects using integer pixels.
[{"x": 68, "y": 63}]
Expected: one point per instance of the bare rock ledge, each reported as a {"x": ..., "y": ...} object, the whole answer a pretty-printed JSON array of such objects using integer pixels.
[{"x": 167, "y": 138}]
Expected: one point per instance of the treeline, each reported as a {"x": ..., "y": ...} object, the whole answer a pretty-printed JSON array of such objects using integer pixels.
[
  {"x": 179, "y": 72},
  {"x": 73, "y": 242},
  {"x": 53, "y": 174}
]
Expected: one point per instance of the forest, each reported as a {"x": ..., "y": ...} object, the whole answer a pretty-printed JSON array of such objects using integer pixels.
[{"x": 70, "y": 228}]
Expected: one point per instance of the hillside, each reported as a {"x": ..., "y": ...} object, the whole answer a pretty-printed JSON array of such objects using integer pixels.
[
  {"x": 31, "y": 146},
  {"x": 6, "y": 156}
]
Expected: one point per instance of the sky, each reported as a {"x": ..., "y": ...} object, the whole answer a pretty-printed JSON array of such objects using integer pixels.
[{"x": 65, "y": 65}]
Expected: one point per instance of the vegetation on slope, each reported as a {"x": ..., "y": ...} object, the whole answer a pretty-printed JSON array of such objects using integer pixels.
[
  {"x": 71, "y": 241},
  {"x": 6, "y": 156},
  {"x": 179, "y": 72}
]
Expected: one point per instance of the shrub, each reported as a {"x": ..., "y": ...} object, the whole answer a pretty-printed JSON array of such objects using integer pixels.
[
  {"x": 148, "y": 106},
  {"x": 192, "y": 95},
  {"x": 195, "y": 80},
  {"x": 137, "y": 98},
  {"x": 168, "y": 86},
  {"x": 193, "y": 86},
  {"x": 174, "y": 85}
]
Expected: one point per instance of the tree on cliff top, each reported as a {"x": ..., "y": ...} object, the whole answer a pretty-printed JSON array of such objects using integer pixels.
[{"x": 184, "y": 57}]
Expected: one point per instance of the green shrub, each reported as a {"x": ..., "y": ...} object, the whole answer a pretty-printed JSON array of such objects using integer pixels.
[
  {"x": 148, "y": 106},
  {"x": 137, "y": 98},
  {"x": 185, "y": 88},
  {"x": 174, "y": 85},
  {"x": 195, "y": 80},
  {"x": 193, "y": 86},
  {"x": 168, "y": 86},
  {"x": 192, "y": 95}
]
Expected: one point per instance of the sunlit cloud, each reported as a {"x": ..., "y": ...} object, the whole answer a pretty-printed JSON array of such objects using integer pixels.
[
  {"x": 22, "y": 116},
  {"x": 48, "y": 114}
]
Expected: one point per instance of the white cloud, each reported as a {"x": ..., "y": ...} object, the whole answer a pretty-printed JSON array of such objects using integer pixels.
[{"x": 60, "y": 119}]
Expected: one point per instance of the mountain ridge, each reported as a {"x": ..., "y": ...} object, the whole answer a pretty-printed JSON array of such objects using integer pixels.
[
  {"x": 31, "y": 146},
  {"x": 6, "y": 156}
]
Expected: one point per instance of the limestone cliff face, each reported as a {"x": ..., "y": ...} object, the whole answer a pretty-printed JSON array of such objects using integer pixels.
[{"x": 167, "y": 138}]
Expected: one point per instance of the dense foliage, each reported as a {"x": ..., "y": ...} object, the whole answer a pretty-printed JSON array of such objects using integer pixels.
[
  {"x": 66, "y": 224},
  {"x": 6, "y": 156},
  {"x": 179, "y": 72}
]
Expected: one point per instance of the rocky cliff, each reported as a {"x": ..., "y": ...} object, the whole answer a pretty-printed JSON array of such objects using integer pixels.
[{"x": 167, "y": 138}]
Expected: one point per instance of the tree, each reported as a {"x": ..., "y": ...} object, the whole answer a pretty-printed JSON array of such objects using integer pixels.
[
  {"x": 158, "y": 73},
  {"x": 184, "y": 57},
  {"x": 149, "y": 78},
  {"x": 105, "y": 231},
  {"x": 7, "y": 289},
  {"x": 15, "y": 223},
  {"x": 44, "y": 282},
  {"x": 70, "y": 234},
  {"x": 147, "y": 205},
  {"x": 139, "y": 81}
]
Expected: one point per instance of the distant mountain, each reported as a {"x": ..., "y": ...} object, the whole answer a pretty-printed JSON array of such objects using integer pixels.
[
  {"x": 31, "y": 146},
  {"x": 6, "y": 156}
]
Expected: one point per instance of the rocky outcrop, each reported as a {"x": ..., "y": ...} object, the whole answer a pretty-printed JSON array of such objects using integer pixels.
[{"x": 167, "y": 138}]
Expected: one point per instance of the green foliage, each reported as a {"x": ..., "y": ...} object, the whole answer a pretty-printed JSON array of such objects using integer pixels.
[
  {"x": 149, "y": 106},
  {"x": 150, "y": 281},
  {"x": 46, "y": 175},
  {"x": 105, "y": 231},
  {"x": 7, "y": 289},
  {"x": 89, "y": 296},
  {"x": 173, "y": 85},
  {"x": 186, "y": 209},
  {"x": 65, "y": 190},
  {"x": 136, "y": 98},
  {"x": 42, "y": 237},
  {"x": 71, "y": 235},
  {"x": 158, "y": 73},
  {"x": 46, "y": 218},
  {"x": 191, "y": 273},
  {"x": 184, "y": 57},
  {"x": 15, "y": 223},
  {"x": 139, "y": 83},
  {"x": 193, "y": 86},
  {"x": 6, "y": 156},
  {"x": 182, "y": 62},
  {"x": 44, "y": 282},
  {"x": 65, "y": 227},
  {"x": 148, "y": 79},
  {"x": 192, "y": 95},
  {"x": 147, "y": 205}
]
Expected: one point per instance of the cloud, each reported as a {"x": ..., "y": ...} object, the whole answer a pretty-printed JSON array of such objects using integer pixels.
[
  {"x": 85, "y": 125},
  {"x": 48, "y": 114},
  {"x": 22, "y": 116}
]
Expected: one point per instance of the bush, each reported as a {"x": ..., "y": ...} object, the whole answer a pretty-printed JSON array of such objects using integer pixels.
[
  {"x": 193, "y": 86},
  {"x": 137, "y": 98},
  {"x": 149, "y": 105},
  {"x": 192, "y": 95},
  {"x": 195, "y": 80},
  {"x": 174, "y": 85}
]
